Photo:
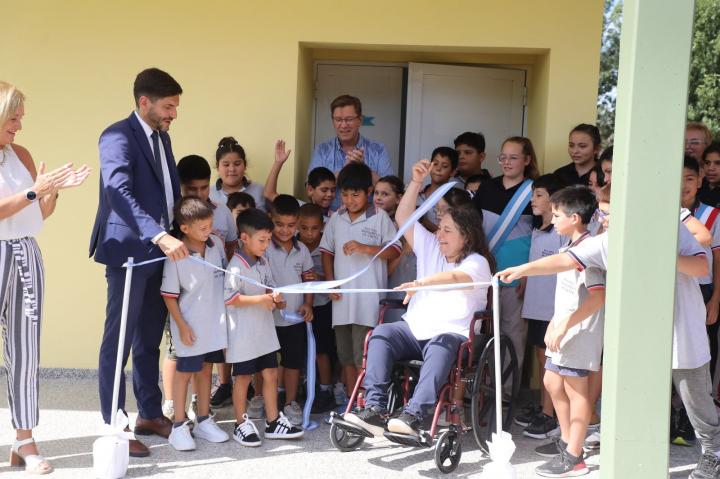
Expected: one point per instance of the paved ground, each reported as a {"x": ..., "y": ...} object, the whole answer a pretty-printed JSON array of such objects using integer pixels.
[{"x": 69, "y": 422}]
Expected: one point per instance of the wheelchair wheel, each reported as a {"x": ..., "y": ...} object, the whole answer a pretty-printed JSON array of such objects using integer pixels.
[
  {"x": 344, "y": 441},
  {"x": 448, "y": 451},
  {"x": 482, "y": 403}
]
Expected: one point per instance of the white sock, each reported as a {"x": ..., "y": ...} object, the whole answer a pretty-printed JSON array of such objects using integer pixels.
[{"x": 169, "y": 402}]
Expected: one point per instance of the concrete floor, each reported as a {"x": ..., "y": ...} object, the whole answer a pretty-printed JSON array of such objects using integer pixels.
[{"x": 69, "y": 423}]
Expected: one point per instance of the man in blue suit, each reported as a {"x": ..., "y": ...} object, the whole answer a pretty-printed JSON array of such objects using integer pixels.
[{"x": 138, "y": 189}]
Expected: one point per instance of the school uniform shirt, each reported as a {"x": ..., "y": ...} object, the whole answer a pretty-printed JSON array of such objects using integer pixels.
[
  {"x": 431, "y": 313},
  {"x": 709, "y": 196},
  {"x": 708, "y": 216},
  {"x": 319, "y": 299},
  {"x": 223, "y": 222},
  {"x": 490, "y": 200},
  {"x": 690, "y": 345},
  {"x": 199, "y": 291},
  {"x": 287, "y": 268},
  {"x": 256, "y": 190},
  {"x": 582, "y": 346},
  {"x": 250, "y": 329},
  {"x": 569, "y": 175},
  {"x": 539, "y": 299},
  {"x": 375, "y": 228}
]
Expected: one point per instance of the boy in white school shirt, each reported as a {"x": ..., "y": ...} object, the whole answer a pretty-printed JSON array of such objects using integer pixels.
[
  {"x": 691, "y": 353},
  {"x": 252, "y": 340}
]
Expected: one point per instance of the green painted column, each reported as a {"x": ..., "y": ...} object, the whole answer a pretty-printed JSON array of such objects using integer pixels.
[{"x": 649, "y": 135}]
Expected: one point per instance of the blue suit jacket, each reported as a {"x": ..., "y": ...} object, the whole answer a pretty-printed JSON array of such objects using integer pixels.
[{"x": 131, "y": 201}]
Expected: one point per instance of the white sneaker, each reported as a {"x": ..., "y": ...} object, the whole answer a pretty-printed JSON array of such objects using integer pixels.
[
  {"x": 294, "y": 413},
  {"x": 210, "y": 431},
  {"x": 181, "y": 439},
  {"x": 256, "y": 407},
  {"x": 282, "y": 428},
  {"x": 246, "y": 433}
]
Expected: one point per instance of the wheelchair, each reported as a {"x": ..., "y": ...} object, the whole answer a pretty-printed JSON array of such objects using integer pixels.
[{"x": 474, "y": 369}]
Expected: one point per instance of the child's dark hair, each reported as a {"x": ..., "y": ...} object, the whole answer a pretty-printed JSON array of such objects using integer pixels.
[
  {"x": 395, "y": 183},
  {"x": 190, "y": 209},
  {"x": 607, "y": 154},
  {"x": 318, "y": 175},
  {"x": 576, "y": 200},
  {"x": 457, "y": 197},
  {"x": 550, "y": 182},
  {"x": 691, "y": 164},
  {"x": 240, "y": 198},
  {"x": 227, "y": 145},
  {"x": 355, "y": 176},
  {"x": 285, "y": 205},
  {"x": 309, "y": 210},
  {"x": 155, "y": 84},
  {"x": 449, "y": 153},
  {"x": 252, "y": 220},
  {"x": 591, "y": 130},
  {"x": 193, "y": 167},
  {"x": 471, "y": 139},
  {"x": 713, "y": 147},
  {"x": 467, "y": 219}
]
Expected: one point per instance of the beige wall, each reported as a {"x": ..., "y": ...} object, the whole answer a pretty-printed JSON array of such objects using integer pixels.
[{"x": 247, "y": 71}]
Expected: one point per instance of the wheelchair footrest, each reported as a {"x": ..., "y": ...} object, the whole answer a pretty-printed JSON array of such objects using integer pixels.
[
  {"x": 350, "y": 427},
  {"x": 413, "y": 440}
]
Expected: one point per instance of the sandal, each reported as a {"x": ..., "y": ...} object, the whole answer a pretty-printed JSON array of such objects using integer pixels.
[{"x": 34, "y": 463}]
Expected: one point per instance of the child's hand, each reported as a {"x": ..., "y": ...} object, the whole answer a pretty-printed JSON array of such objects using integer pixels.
[
  {"x": 267, "y": 301},
  {"x": 281, "y": 155},
  {"x": 306, "y": 311},
  {"x": 309, "y": 275},
  {"x": 335, "y": 296},
  {"x": 510, "y": 274},
  {"x": 280, "y": 302},
  {"x": 187, "y": 336},
  {"x": 352, "y": 247},
  {"x": 420, "y": 170},
  {"x": 554, "y": 336}
]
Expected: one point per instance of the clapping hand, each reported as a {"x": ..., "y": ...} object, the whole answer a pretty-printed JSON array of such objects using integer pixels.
[
  {"x": 357, "y": 155},
  {"x": 48, "y": 183},
  {"x": 76, "y": 178}
]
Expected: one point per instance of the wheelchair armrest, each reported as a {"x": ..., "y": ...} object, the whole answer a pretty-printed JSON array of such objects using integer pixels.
[
  {"x": 482, "y": 314},
  {"x": 392, "y": 303}
]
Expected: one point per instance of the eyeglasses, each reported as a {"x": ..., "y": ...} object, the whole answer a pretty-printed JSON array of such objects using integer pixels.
[
  {"x": 694, "y": 142},
  {"x": 510, "y": 158},
  {"x": 346, "y": 120},
  {"x": 602, "y": 214}
]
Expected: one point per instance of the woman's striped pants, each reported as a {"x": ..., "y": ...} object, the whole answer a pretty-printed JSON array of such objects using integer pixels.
[{"x": 21, "y": 298}]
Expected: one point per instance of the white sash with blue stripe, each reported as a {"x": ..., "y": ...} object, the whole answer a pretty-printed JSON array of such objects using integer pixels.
[{"x": 510, "y": 216}]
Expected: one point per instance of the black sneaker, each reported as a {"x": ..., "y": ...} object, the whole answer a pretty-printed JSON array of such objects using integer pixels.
[
  {"x": 526, "y": 417},
  {"x": 551, "y": 449},
  {"x": 282, "y": 428},
  {"x": 406, "y": 423},
  {"x": 684, "y": 434},
  {"x": 222, "y": 395},
  {"x": 542, "y": 427},
  {"x": 563, "y": 465},
  {"x": 324, "y": 402},
  {"x": 708, "y": 467},
  {"x": 246, "y": 433},
  {"x": 372, "y": 419}
]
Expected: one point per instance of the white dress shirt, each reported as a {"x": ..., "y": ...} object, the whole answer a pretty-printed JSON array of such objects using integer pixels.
[{"x": 165, "y": 172}]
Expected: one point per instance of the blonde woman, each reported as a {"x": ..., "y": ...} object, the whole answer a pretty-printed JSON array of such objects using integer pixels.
[{"x": 27, "y": 197}]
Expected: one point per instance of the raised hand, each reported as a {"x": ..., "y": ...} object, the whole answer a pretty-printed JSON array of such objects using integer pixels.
[
  {"x": 420, "y": 170},
  {"x": 76, "y": 177},
  {"x": 281, "y": 154}
]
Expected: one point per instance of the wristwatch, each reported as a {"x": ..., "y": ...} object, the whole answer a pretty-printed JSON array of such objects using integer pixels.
[{"x": 30, "y": 195}]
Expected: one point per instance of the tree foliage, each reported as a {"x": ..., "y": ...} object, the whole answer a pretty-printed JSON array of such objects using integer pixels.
[{"x": 704, "y": 86}]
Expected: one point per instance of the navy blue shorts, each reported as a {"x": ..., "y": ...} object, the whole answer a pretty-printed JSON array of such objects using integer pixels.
[
  {"x": 194, "y": 364},
  {"x": 564, "y": 371},
  {"x": 252, "y": 366},
  {"x": 293, "y": 345},
  {"x": 323, "y": 330},
  {"x": 536, "y": 332}
]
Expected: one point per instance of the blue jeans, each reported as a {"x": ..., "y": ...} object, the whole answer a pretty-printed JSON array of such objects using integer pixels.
[{"x": 392, "y": 342}]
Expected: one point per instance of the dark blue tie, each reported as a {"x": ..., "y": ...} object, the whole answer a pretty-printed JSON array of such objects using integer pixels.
[{"x": 158, "y": 164}]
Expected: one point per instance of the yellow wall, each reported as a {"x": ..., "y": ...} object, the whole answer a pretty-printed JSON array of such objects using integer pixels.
[{"x": 247, "y": 71}]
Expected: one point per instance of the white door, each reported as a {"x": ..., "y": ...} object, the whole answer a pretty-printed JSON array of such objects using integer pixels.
[
  {"x": 379, "y": 88},
  {"x": 444, "y": 101}
]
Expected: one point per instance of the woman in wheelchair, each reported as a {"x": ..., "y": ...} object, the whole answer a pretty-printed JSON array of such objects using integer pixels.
[{"x": 436, "y": 322}]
